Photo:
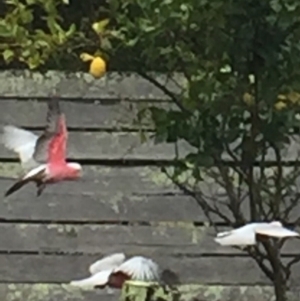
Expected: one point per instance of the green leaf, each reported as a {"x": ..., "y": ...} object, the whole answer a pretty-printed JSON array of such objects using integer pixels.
[
  {"x": 8, "y": 55},
  {"x": 100, "y": 26}
]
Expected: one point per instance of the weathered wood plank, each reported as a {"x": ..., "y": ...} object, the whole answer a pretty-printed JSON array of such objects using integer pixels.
[
  {"x": 82, "y": 85},
  {"x": 160, "y": 238},
  {"x": 104, "y": 194},
  {"x": 115, "y": 146},
  {"x": 129, "y": 146},
  {"x": 232, "y": 293},
  {"x": 64, "y": 292},
  {"x": 163, "y": 239},
  {"x": 100, "y": 207},
  {"x": 112, "y": 194},
  {"x": 92, "y": 115},
  {"x": 104, "y": 179},
  {"x": 52, "y": 292},
  {"x": 204, "y": 270}
]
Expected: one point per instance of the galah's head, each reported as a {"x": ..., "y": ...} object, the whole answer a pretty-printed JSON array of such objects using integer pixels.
[{"x": 74, "y": 170}]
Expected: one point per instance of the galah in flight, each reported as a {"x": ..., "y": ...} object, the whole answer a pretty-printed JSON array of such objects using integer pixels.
[
  {"x": 248, "y": 234},
  {"x": 43, "y": 158},
  {"x": 113, "y": 270}
]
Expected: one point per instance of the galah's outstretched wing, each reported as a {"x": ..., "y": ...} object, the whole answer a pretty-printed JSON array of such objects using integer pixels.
[
  {"x": 107, "y": 263},
  {"x": 51, "y": 145},
  {"x": 139, "y": 268},
  {"x": 21, "y": 142}
]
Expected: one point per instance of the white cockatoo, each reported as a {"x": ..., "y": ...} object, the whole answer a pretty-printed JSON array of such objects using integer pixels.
[
  {"x": 113, "y": 270},
  {"x": 247, "y": 234}
]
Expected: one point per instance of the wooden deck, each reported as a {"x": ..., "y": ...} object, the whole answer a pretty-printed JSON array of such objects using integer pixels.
[{"x": 123, "y": 202}]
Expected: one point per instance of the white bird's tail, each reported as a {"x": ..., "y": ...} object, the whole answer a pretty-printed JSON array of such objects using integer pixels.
[{"x": 98, "y": 279}]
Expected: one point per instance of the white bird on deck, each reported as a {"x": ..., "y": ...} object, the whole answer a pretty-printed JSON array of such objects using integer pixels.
[
  {"x": 248, "y": 234},
  {"x": 113, "y": 270}
]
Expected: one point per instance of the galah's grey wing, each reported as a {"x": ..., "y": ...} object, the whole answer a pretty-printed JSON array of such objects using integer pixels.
[
  {"x": 275, "y": 231},
  {"x": 22, "y": 142},
  {"x": 106, "y": 263},
  {"x": 52, "y": 122}
]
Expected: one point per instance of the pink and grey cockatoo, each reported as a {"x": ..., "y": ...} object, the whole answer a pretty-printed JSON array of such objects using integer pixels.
[
  {"x": 248, "y": 235},
  {"x": 113, "y": 270},
  {"x": 43, "y": 158}
]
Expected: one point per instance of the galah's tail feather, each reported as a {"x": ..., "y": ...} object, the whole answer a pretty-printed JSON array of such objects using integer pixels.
[{"x": 37, "y": 177}]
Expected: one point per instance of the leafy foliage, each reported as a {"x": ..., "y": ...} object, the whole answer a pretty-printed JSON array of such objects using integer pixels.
[
  {"x": 32, "y": 46},
  {"x": 36, "y": 33}
]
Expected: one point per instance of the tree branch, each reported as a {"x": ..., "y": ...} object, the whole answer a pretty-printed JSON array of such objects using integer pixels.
[{"x": 175, "y": 99}]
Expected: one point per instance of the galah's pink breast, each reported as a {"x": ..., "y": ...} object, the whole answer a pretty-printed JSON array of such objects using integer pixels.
[
  {"x": 61, "y": 172},
  {"x": 58, "y": 144}
]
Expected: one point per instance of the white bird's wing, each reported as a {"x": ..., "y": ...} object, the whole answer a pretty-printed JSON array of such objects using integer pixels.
[
  {"x": 21, "y": 142},
  {"x": 243, "y": 236},
  {"x": 98, "y": 279},
  {"x": 275, "y": 231},
  {"x": 107, "y": 263},
  {"x": 140, "y": 268}
]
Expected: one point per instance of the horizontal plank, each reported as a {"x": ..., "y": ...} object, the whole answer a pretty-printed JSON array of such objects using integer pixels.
[
  {"x": 99, "y": 178},
  {"x": 82, "y": 85},
  {"x": 103, "y": 194},
  {"x": 110, "y": 194},
  {"x": 129, "y": 146},
  {"x": 114, "y": 194},
  {"x": 289, "y": 153},
  {"x": 99, "y": 208},
  {"x": 114, "y": 146},
  {"x": 92, "y": 115},
  {"x": 204, "y": 270},
  {"x": 232, "y": 293},
  {"x": 52, "y": 292},
  {"x": 189, "y": 292},
  {"x": 162, "y": 238}
]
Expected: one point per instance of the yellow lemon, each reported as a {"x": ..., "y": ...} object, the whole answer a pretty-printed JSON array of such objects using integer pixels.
[
  {"x": 280, "y": 105},
  {"x": 97, "y": 67},
  {"x": 281, "y": 97},
  {"x": 248, "y": 99},
  {"x": 293, "y": 97}
]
